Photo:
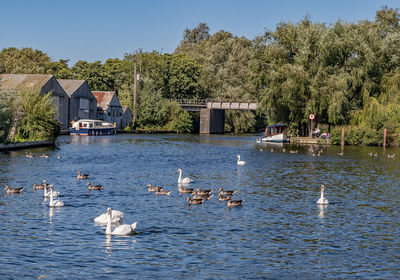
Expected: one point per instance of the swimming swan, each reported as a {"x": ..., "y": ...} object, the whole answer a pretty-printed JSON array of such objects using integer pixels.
[
  {"x": 119, "y": 230},
  {"x": 54, "y": 203},
  {"x": 185, "y": 180},
  {"x": 322, "y": 199},
  {"x": 117, "y": 217},
  {"x": 47, "y": 193},
  {"x": 240, "y": 162}
]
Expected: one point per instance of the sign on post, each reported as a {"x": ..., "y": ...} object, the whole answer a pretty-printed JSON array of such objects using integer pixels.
[{"x": 311, "y": 116}]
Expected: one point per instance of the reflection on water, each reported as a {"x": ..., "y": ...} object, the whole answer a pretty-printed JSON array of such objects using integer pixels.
[{"x": 279, "y": 232}]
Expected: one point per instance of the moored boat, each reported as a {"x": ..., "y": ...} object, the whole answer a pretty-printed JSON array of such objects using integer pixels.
[
  {"x": 275, "y": 133},
  {"x": 92, "y": 127}
]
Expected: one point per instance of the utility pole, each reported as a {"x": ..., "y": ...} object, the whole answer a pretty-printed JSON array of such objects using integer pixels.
[{"x": 134, "y": 92}]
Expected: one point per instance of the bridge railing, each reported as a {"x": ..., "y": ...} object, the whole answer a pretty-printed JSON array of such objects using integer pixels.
[
  {"x": 203, "y": 102},
  {"x": 190, "y": 102}
]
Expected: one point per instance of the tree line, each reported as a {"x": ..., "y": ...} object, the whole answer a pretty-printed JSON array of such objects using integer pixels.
[{"x": 346, "y": 74}]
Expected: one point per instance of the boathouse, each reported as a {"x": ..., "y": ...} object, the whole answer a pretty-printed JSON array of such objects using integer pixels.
[
  {"x": 126, "y": 116},
  {"x": 44, "y": 83},
  {"x": 82, "y": 102},
  {"x": 108, "y": 107}
]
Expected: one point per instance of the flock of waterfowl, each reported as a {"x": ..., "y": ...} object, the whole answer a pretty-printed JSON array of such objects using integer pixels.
[
  {"x": 197, "y": 195},
  {"x": 114, "y": 218}
]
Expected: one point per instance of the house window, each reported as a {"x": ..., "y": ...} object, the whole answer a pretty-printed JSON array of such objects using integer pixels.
[
  {"x": 83, "y": 103},
  {"x": 109, "y": 114}
]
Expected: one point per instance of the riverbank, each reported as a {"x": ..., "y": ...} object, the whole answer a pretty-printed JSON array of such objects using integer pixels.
[{"x": 25, "y": 145}]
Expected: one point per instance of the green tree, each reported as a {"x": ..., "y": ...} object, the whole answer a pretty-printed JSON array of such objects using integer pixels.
[{"x": 23, "y": 61}]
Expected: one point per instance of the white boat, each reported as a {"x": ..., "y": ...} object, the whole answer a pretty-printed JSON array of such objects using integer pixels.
[
  {"x": 276, "y": 133},
  {"x": 92, "y": 127}
]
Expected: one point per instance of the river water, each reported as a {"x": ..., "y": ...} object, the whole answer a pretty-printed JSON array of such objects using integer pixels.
[{"x": 280, "y": 232}]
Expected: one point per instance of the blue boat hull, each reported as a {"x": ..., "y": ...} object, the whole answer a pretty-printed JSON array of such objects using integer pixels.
[{"x": 93, "y": 131}]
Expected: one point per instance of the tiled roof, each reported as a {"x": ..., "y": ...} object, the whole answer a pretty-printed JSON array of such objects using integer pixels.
[
  {"x": 103, "y": 98},
  {"x": 20, "y": 81},
  {"x": 70, "y": 86}
]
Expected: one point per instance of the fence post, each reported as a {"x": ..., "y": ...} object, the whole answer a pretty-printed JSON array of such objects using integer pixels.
[
  {"x": 342, "y": 136},
  {"x": 384, "y": 137}
]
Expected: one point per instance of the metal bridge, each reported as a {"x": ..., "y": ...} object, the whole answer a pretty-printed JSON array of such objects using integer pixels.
[{"x": 212, "y": 112}]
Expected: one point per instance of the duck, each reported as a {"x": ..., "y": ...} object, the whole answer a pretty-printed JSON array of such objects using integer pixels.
[
  {"x": 221, "y": 191},
  {"x": 82, "y": 176},
  {"x": 240, "y": 162},
  {"x": 54, "y": 203},
  {"x": 194, "y": 201},
  {"x": 154, "y": 189},
  {"x": 322, "y": 199},
  {"x": 58, "y": 155},
  {"x": 223, "y": 198},
  {"x": 391, "y": 156},
  {"x": 294, "y": 152},
  {"x": 185, "y": 180},
  {"x": 341, "y": 154},
  {"x": 48, "y": 193},
  {"x": 117, "y": 217},
  {"x": 29, "y": 155},
  {"x": 124, "y": 229},
  {"x": 44, "y": 156},
  {"x": 200, "y": 191},
  {"x": 185, "y": 190},
  {"x": 162, "y": 192},
  {"x": 203, "y": 196},
  {"x": 370, "y": 154},
  {"x": 8, "y": 189},
  {"x": 94, "y": 187},
  {"x": 233, "y": 203}
]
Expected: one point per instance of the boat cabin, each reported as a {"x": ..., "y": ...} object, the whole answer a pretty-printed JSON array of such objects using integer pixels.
[{"x": 275, "y": 129}]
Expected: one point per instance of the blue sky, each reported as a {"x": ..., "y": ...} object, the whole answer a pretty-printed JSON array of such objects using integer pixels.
[{"x": 99, "y": 29}]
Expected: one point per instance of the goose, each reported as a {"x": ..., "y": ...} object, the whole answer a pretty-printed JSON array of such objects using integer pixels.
[
  {"x": 54, "y": 203},
  {"x": 39, "y": 187},
  {"x": 185, "y": 190},
  {"x": 233, "y": 203},
  {"x": 223, "y": 198},
  {"x": 194, "y": 201},
  {"x": 48, "y": 193},
  {"x": 162, "y": 192},
  {"x": 185, "y": 180},
  {"x": 200, "y": 191},
  {"x": 240, "y": 162},
  {"x": 341, "y": 154},
  {"x": 8, "y": 189},
  {"x": 82, "y": 176},
  {"x": 370, "y": 154},
  {"x": 117, "y": 217},
  {"x": 391, "y": 156},
  {"x": 221, "y": 191},
  {"x": 203, "y": 196},
  {"x": 94, "y": 187},
  {"x": 154, "y": 189},
  {"x": 124, "y": 229},
  {"x": 322, "y": 199}
]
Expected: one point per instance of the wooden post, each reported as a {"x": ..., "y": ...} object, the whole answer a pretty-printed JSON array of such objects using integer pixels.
[
  {"x": 384, "y": 137},
  {"x": 342, "y": 136},
  {"x": 134, "y": 92}
]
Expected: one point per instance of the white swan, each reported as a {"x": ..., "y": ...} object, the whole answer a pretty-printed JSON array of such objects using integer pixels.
[
  {"x": 117, "y": 217},
  {"x": 119, "y": 230},
  {"x": 185, "y": 180},
  {"x": 54, "y": 203},
  {"x": 47, "y": 193},
  {"x": 322, "y": 199},
  {"x": 240, "y": 162}
]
